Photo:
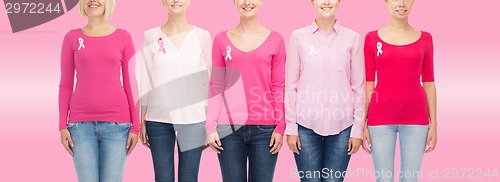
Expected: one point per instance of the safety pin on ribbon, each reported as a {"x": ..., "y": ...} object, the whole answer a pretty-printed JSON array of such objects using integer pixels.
[
  {"x": 80, "y": 41},
  {"x": 379, "y": 48},
  {"x": 162, "y": 47},
  {"x": 228, "y": 53}
]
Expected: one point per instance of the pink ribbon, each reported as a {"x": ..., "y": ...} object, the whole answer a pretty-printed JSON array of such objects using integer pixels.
[{"x": 160, "y": 43}]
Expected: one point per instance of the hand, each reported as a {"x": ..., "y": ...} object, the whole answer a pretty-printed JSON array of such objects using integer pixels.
[
  {"x": 131, "y": 142},
  {"x": 144, "y": 135},
  {"x": 294, "y": 143},
  {"x": 275, "y": 143},
  {"x": 66, "y": 141},
  {"x": 367, "y": 143},
  {"x": 213, "y": 142},
  {"x": 431, "y": 139},
  {"x": 353, "y": 146}
]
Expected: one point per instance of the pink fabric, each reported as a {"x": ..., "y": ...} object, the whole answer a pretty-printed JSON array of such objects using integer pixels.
[
  {"x": 325, "y": 81},
  {"x": 399, "y": 97},
  {"x": 99, "y": 94},
  {"x": 247, "y": 87}
]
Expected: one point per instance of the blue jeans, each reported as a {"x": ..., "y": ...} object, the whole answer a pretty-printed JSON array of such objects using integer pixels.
[
  {"x": 99, "y": 152},
  {"x": 412, "y": 140},
  {"x": 242, "y": 142},
  {"x": 322, "y": 158},
  {"x": 190, "y": 141}
]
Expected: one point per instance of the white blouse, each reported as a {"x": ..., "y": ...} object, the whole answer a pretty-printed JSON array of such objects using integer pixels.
[{"x": 174, "y": 82}]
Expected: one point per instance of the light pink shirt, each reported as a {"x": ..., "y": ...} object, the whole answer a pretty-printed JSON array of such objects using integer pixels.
[{"x": 325, "y": 81}]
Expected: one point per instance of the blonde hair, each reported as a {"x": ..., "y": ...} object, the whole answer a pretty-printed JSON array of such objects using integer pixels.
[{"x": 108, "y": 8}]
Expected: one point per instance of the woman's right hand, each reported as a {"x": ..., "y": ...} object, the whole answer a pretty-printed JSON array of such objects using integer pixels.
[
  {"x": 213, "y": 142},
  {"x": 144, "y": 135},
  {"x": 367, "y": 143},
  {"x": 294, "y": 143},
  {"x": 66, "y": 141}
]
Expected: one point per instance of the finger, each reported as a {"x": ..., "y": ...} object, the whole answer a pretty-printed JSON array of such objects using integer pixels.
[
  {"x": 134, "y": 143},
  {"x": 293, "y": 148},
  {"x": 365, "y": 148},
  {"x": 349, "y": 146},
  {"x": 127, "y": 145},
  {"x": 299, "y": 145},
  {"x": 66, "y": 146},
  {"x": 218, "y": 145},
  {"x": 214, "y": 146},
  {"x": 71, "y": 142},
  {"x": 275, "y": 147},
  {"x": 144, "y": 139},
  {"x": 354, "y": 149},
  {"x": 271, "y": 142},
  {"x": 278, "y": 148}
]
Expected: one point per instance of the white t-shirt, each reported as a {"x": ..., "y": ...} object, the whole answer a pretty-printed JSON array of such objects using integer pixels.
[{"x": 174, "y": 82}]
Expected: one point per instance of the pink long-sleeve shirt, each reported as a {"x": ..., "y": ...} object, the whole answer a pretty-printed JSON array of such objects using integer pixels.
[
  {"x": 100, "y": 64},
  {"x": 325, "y": 81},
  {"x": 247, "y": 87}
]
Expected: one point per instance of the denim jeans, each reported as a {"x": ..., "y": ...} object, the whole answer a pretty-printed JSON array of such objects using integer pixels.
[
  {"x": 190, "y": 141},
  {"x": 99, "y": 152},
  {"x": 412, "y": 140},
  {"x": 322, "y": 158},
  {"x": 244, "y": 143}
]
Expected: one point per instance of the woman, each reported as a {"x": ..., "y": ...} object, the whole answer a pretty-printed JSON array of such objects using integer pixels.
[
  {"x": 324, "y": 63},
  {"x": 175, "y": 87},
  {"x": 404, "y": 100},
  {"x": 245, "y": 119},
  {"x": 98, "y": 133}
]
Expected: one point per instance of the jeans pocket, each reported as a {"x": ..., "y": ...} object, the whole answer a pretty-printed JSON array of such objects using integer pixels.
[
  {"x": 72, "y": 125},
  {"x": 122, "y": 124},
  {"x": 266, "y": 128},
  {"x": 223, "y": 127}
]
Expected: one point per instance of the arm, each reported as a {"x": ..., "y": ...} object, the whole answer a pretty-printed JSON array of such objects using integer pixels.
[
  {"x": 292, "y": 74},
  {"x": 370, "y": 68},
  {"x": 130, "y": 82},
  {"x": 65, "y": 91},
  {"x": 430, "y": 93},
  {"x": 278, "y": 86},
  {"x": 358, "y": 86},
  {"x": 217, "y": 87},
  {"x": 146, "y": 84},
  {"x": 207, "y": 57},
  {"x": 67, "y": 80}
]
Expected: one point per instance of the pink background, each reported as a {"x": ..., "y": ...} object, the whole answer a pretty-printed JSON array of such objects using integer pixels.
[{"x": 466, "y": 63}]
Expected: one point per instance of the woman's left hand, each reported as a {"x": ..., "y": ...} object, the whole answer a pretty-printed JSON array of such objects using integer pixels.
[
  {"x": 275, "y": 143},
  {"x": 431, "y": 139},
  {"x": 131, "y": 142}
]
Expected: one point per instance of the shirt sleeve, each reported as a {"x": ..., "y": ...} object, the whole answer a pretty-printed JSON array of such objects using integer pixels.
[
  {"x": 207, "y": 57},
  {"x": 358, "y": 86},
  {"x": 428, "y": 62},
  {"x": 278, "y": 85},
  {"x": 146, "y": 68},
  {"x": 369, "y": 59},
  {"x": 217, "y": 87},
  {"x": 130, "y": 81},
  {"x": 292, "y": 74},
  {"x": 67, "y": 80}
]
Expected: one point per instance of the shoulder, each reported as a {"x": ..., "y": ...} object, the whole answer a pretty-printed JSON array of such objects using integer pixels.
[
  {"x": 426, "y": 35},
  {"x": 202, "y": 33}
]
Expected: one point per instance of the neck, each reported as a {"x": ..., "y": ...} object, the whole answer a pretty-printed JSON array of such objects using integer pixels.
[
  {"x": 176, "y": 23},
  {"x": 399, "y": 24},
  {"x": 97, "y": 23},
  {"x": 249, "y": 24},
  {"x": 325, "y": 24}
]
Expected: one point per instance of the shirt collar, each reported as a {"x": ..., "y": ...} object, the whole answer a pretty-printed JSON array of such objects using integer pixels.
[{"x": 314, "y": 27}]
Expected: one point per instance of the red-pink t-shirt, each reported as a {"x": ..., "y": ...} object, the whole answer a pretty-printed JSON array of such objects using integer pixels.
[
  {"x": 399, "y": 97},
  {"x": 101, "y": 64}
]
